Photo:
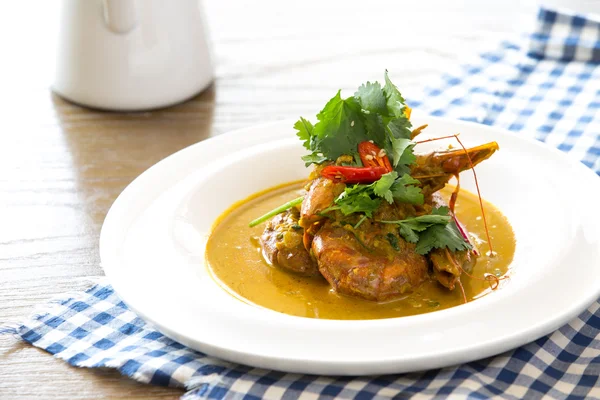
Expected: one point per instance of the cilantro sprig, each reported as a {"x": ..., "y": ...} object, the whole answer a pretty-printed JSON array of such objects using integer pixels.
[
  {"x": 434, "y": 231},
  {"x": 361, "y": 198},
  {"x": 374, "y": 113}
]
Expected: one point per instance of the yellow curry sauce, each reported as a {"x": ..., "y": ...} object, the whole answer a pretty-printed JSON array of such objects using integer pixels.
[{"x": 235, "y": 259}]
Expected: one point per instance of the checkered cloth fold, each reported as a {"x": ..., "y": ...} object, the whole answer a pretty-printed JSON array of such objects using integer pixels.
[
  {"x": 565, "y": 37},
  {"x": 547, "y": 89}
]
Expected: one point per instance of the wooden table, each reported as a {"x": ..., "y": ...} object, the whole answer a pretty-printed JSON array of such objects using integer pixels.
[{"x": 62, "y": 166}]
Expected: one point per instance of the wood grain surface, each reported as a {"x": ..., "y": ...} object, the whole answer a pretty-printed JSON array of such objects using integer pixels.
[{"x": 62, "y": 166}]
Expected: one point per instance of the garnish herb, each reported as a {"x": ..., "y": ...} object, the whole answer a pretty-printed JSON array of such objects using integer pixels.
[
  {"x": 404, "y": 190},
  {"x": 367, "y": 198},
  {"x": 313, "y": 158},
  {"x": 278, "y": 210},
  {"x": 360, "y": 221},
  {"x": 436, "y": 230},
  {"x": 440, "y": 236},
  {"x": 374, "y": 113},
  {"x": 356, "y": 199}
]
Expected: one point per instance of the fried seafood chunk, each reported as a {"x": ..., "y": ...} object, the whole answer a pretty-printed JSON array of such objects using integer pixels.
[
  {"x": 363, "y": 263},
  {"x": 282, "y": 245}
]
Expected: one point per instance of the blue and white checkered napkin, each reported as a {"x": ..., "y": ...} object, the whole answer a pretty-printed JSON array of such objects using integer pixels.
[{"x": 547, "y": 89}]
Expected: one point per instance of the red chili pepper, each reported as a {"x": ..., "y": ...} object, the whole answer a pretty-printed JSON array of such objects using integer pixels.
[
  {"x": 370, "y": 156},
  {"x": 353, "y": 174}
]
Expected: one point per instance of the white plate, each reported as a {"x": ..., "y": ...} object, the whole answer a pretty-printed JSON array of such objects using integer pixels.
[{"x": 153, "y": 241}]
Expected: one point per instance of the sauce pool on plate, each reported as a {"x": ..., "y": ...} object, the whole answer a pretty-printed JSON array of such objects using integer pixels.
[{"x": 234, "y": 258}]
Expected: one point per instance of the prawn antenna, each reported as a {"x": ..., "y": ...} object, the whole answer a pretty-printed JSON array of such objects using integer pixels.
[{"x": 487, "y": 231}]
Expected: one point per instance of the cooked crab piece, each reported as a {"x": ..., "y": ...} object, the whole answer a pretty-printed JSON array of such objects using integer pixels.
[
  {"x": 364, "y": 263},
  {"x": 282, "y": 244}
]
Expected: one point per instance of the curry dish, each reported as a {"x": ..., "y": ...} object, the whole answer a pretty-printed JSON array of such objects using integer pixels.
[
  {"x": 374, "y": 231},
  {"x": 235, "y": 258}
]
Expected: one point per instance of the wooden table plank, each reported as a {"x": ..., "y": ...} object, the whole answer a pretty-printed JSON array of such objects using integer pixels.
[{"x": 62, "y": 166}]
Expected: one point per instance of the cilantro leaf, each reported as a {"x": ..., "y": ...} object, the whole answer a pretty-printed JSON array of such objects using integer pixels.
[
  {"x": 364, "y": 198},
  {"x": 404, "y": 190},
  {"x": 424, "y": 222},
  {"x": 408, "y": 234},
  {"x": 371, "y": 98},
  {"x": 376, "y": 131},
  {"x": 394, "y": 100},
  {"x": 305, "y": 132},
  {"x": 340, "y": 128},
  {"x": 313, "y": 158},
  {"x": 441, "y": 236},
  {"x": 406, "y": 179},
  {"x": 353, "y": 190},
  {"x": 374, "y": 113},
  {"x": 382, "y": 187},
  {"x": 408, "y": 156},
  {"x": 443, "y": 210},
  {"x": 402, "y": 152},
  {"x": 361, "y": 201},
  {"x": 421, "y": 223},
  {"x": 436, "y": 230},
  {"x": 400, "y": 128}
]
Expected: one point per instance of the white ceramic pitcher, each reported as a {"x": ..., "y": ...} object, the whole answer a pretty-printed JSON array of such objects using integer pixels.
[{"x": 132, "y": 54}]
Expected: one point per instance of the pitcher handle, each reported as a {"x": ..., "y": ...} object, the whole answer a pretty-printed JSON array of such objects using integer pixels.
[{"x": 119, "y": 15}]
